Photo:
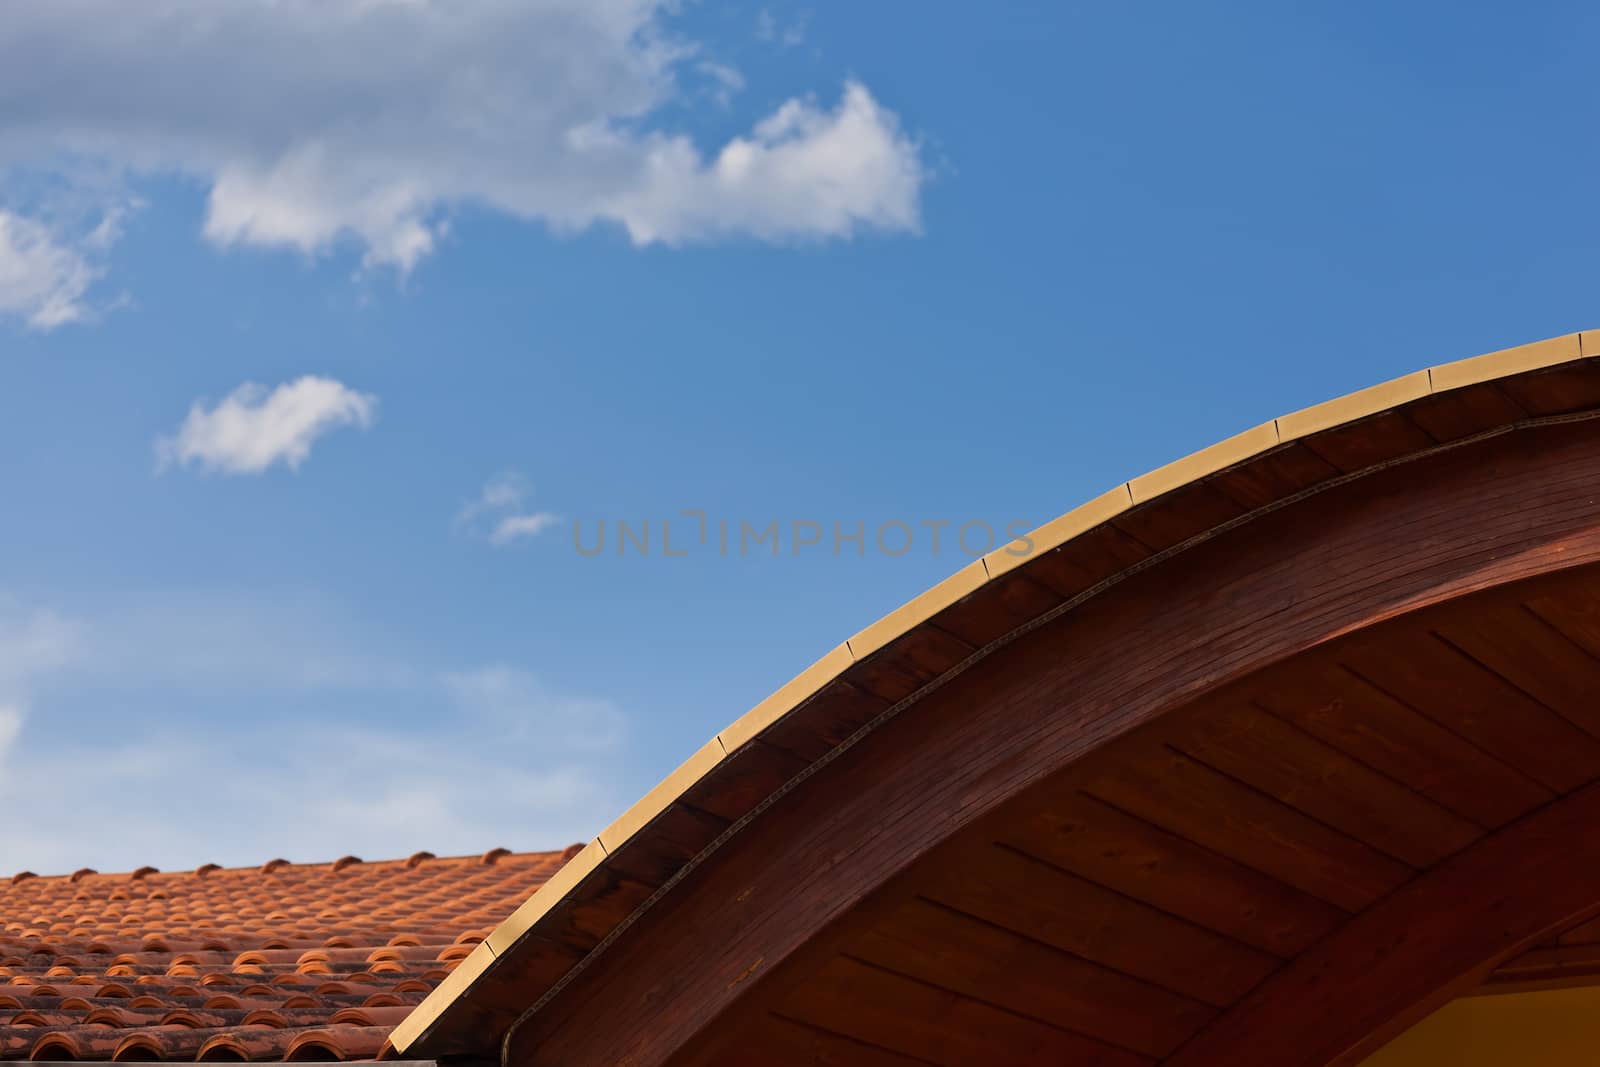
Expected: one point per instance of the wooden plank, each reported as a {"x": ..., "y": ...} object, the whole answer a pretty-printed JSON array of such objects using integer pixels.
[
  {"x": 1179, "y": 515},
  {"x": 1359, "y": 445},
  {"x": 1458, "y": 413},
  {"x": 744, "y": 779},
  {"x": 1436, "y": 680},
  {"x": 916, "y": 1019},
  {"x": 676, "y": 836},
  {"x": 998, "y": 608},
  {"x": 1288, "y": 764},
  {"x": 1573, "y": 387},
  {"x": 1078, "y": 833},
  {"x": 1526, "y": 651},
  {"x": 1328, "y": 702},
  {"x": 786, "y": 1043},
  {"x": 1574, "y": 612},
  {"x": 954, "y": 951},
  {"x": 1585, "y": 933},
  {"x": 827, "y": 719},
  {"x": 906, "y": 665},
  {"x": 1032, "y": 898},
  {"x": 1089, "y": 558},
  {"x": 1188, "y": 798},
  {"x": 1419, "y": 948},
  {"x": 1274, "y": 475},
  {"x": 1552, "y": 961}
]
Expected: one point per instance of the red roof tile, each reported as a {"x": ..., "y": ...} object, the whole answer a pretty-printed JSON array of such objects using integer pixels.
[{"x": 278, "y": 962}]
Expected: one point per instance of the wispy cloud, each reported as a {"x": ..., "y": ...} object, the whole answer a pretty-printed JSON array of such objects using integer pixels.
[
  {"x": 34, "y": 644},
  {"x": 513, "y": 527},
  {"x": 488, "y": 754},
  {"x": 368, "y": 122},
  {"x": 788, "y": 35},
  {"x": 56, "y": 233},
  {"x": 253, "y": 428},
  {"x": 520, "y": 702},
  {"x": 498, "y": 514},
  {"x": 44, "y": 276}
]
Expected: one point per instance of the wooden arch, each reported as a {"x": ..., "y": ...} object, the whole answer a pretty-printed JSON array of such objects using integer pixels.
[{"x": 1257, "y": 758}]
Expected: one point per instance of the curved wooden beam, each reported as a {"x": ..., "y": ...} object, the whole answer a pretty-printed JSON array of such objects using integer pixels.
[{"x": 1409, "y": 954}]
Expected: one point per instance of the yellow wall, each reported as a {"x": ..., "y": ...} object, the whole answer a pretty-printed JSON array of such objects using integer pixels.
[{"x": 1554, "y": 1027}]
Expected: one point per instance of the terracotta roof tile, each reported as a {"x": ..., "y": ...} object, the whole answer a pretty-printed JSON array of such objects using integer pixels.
[{"x": 279, "y": 962}]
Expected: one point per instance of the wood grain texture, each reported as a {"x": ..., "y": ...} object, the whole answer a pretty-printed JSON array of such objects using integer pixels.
[{"x": 1414, "y": 951}]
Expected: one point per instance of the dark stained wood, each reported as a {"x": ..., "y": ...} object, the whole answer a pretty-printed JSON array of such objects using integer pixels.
[
  {"x": 1424, "y": 672},
  {"x": 1575, "y": 613},
  {"x": 1284, "y": 471},
  {"x": 1325, "y": 700},
  {"x": 1078, "y": 833},
  {"x": 1584, "y": 933},
  {"x": 954, "y": 951},
  {"x": 1417, "y": 949},
  {"x": 1573, "y": 387},
  {"x": 1086, "y": 560},
  {"x": 1464, "y": 412},
  {"x": 779, "y": 1042},
  {"x": 828, "y": 718},
  {"x": 1530, "y": 654},
  {"x": 1371, "y": 441},
  {"x": 1551, "y": 962},
  {"x": 743, "y": 780},
  {"x": 905, "y": 665},
  {"x": 1302, "y": 772},
  {"x": 1180, "y": 794},
  {"x": 932, "y": 1024},
  {"x": 1027, "y": 896},
  {"x": 677, "y": 835},
  {"x": 1181, "y": 514},
  {"x": 998, "y": 608},
  {"x": 599, "y": 904}
]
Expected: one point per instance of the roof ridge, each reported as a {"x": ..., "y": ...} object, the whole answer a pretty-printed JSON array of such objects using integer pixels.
[{"x": 416, "y": 859}]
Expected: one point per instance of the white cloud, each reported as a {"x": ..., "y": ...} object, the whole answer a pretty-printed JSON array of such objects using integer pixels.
[
  {"x": 458, "y": 788},
  {"x": 513, "y": 527},
  {"x": 769, "y": 32},
  {"x": 497, "y": 510},
  {"x": 516, "y": 699},
  {"x": 483, "y": 756},
  {"x": 368, "y": 121},
  {"x": 43, "y": 276},
  {"x": 726, "y": 81},
  {"x": 34, "y": 644},
  {"x": 251, "y": 429}
]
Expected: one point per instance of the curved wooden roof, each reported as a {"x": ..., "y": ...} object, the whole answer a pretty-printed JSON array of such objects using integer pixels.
[{"x": 1151, "y": 785}]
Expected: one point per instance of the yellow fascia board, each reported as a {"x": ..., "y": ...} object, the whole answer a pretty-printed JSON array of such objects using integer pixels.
[
  {"x": 911, "y": 614},
  {"x": 546, "y": 897},
  {"x": 1193, "y": 467},
  {"x": 455, "y": 983},
  {"x": 1353, "y": 406},
  {"x": 798, "y": 689},
  {"x": 666, "y": 791},
  {"x": 1059, "y": 531},
  {"x": 1506, "y": 362}
]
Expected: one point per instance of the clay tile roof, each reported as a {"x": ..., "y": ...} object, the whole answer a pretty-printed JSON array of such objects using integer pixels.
[{"x": 281, "y": 962}]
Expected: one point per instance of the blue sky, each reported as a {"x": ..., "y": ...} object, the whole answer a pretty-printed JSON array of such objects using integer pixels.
[{"x": 495, "y": 269}]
